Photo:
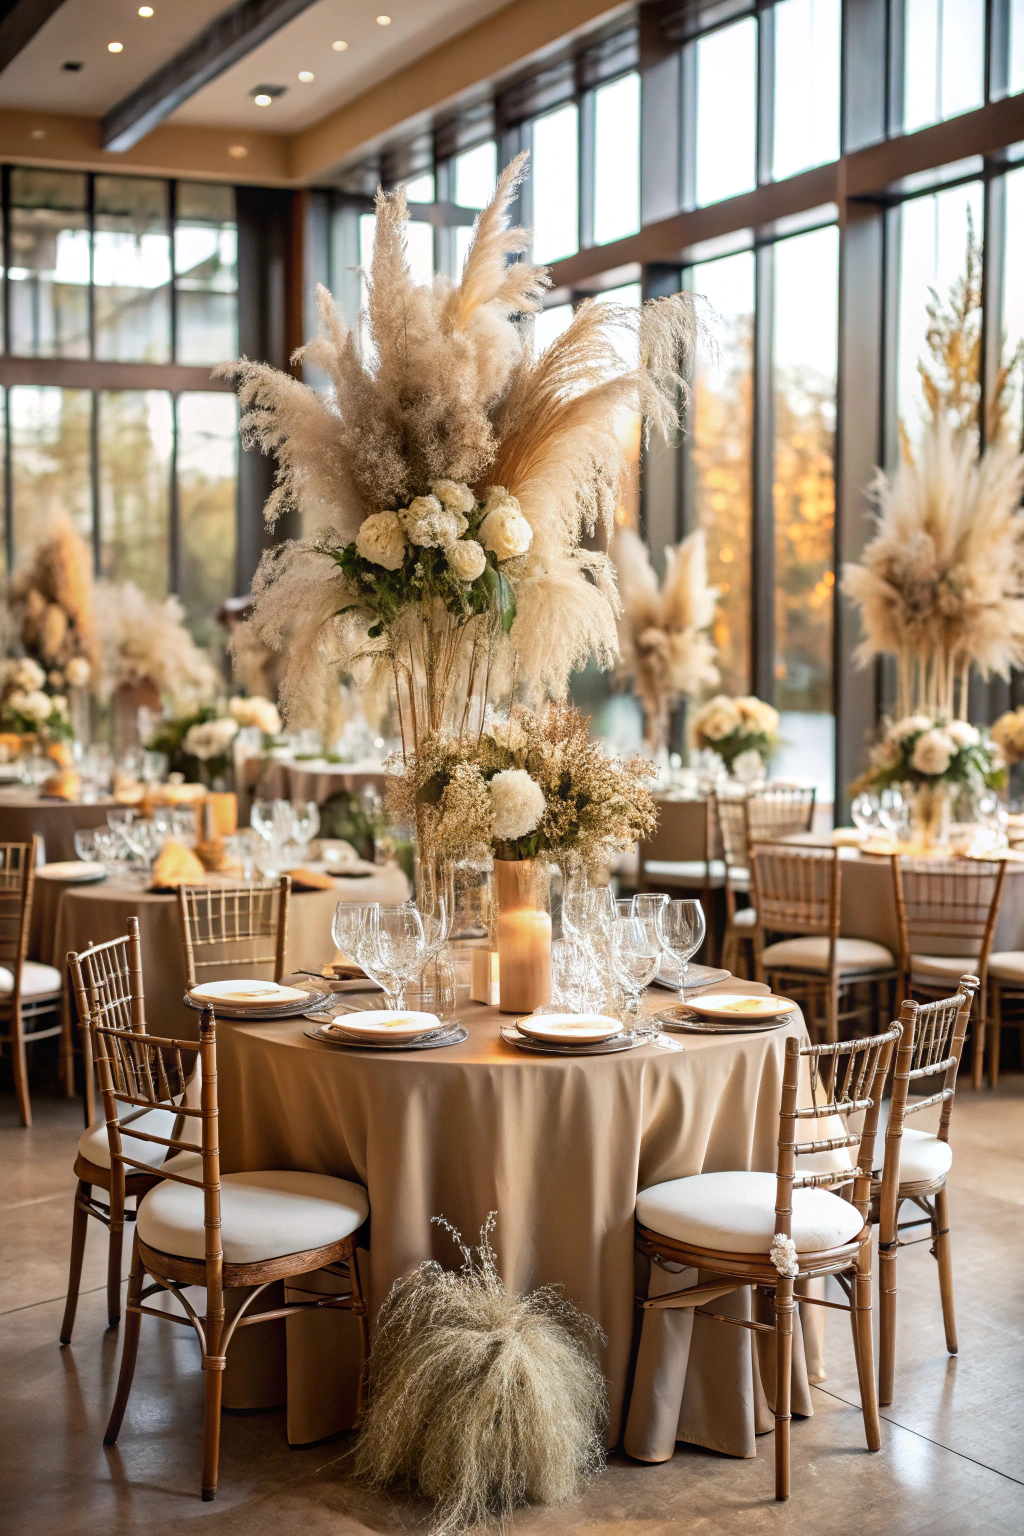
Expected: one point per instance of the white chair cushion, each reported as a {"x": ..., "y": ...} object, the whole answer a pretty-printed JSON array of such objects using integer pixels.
[
  {"x": 94, "y": 1147},
  {"x": 923, "y": 1157},
  {"x": 739, "y": 879},
  {"x": 37, "y": 980},
  {"x": 1007, "y": 965},
  {"x": 735, "y": 1213},
  {"x": 744, "y": 917},
  {"x": 685, "y": 871},
  {"x": 810, "y": 953},
  {"x": 948, "y": 967},
  {"x": 264, "y": 1215}
]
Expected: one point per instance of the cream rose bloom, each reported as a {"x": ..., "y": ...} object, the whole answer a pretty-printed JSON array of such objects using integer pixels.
[
  {"x": 210, "y": 739},
  {"x": 962, "y": 734},
  {"x": 430, "y": 525},
  {"x": 757, "y": 714},
  {"x": 909, "y": 726},
  {"x": 466, "y": 559},
  {"x": 517, "y": 804},
  {"x": 454, "y": 495},
  {"x": 37, "y": 705},
  {"x": 932, "y": 753},
  {"x": 77, "y": 672},
  {"x": 28, "y": 675},
  {"x": 717, "y": 719},
  {"x": 381, "y": 541},
  {"x": 504, "y": 528},
  {"x": 258, "y": 712}
]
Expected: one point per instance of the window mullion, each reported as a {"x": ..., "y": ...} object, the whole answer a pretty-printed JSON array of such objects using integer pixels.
[
  {"x": 762, "y": 580},
  {"x": 765, "y": 94}
]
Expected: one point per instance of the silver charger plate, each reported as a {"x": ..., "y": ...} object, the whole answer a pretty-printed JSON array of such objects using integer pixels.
[
  {"x": 455, "y": 1036},
  {"x": 514, "y": 1036},
  {"x": 683, "y": 1020},
  {"x": 313, "y": 999},
  {"x": 698, "y": 978}
]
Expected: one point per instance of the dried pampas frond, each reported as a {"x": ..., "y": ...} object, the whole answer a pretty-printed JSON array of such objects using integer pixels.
[
  {"x": 664, "y": 644},
  {"x": 51, "y": 594},
  {"x": 481, "y": 1400},
  {"x": 146, "y": 641}
]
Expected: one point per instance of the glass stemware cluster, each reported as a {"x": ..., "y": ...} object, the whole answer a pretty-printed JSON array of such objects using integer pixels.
[
  {"x": 400, "y": 948},
  {"x": 286, "y": 828},
  {"x": 129, "y": 843}
]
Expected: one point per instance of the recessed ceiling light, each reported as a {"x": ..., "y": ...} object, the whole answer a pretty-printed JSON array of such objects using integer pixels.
[
  {"x": 115, "y": 47},
  {"x": 263, "y": 100},
  {"x": 38, "y": 133},
  {"x": 72, "y": 66},
  {"x": 383, "y": 21},
  {"x": 145, "y": 10},
  {"x": 237, "y": 151},
  {"x": 263, "y": 95},
  {"x": 339, "y": 47},
  {"x": 306, "y": 76}
]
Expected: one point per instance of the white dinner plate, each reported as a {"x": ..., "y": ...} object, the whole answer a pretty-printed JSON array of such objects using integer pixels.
[
  {"x": 384, "y": 1024},
  {"x": 735, "y": 1006},
  {"x": 247, "y": 994},
  {"x": 569, "y": 1028},
  {"x": 74, "y": 871}
]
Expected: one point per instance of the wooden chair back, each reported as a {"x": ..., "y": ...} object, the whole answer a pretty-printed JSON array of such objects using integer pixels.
[
  {"x": 931, "y": 1046},
  {"x": 731, "y": 819},
  {"x": 795, "y": 889},
  {"x": 778, "y": 811},
  {"x": 947, "y": 907},
  {"x": 686, "y": 831},
  {"x": 228, "y": 926},
  {"x": 846, "y": 1078},
  {"x": 17, "y": 878},
  {"x": 107, "y": 982}
]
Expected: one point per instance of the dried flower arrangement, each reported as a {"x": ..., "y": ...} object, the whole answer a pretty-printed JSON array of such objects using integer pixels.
[
  {"x": 664, "y": 645},
  {"x": 735, "y": 727},
  {"x": 1008, "y": 735},
  {"x": 531, "y": 783},
  {"x": 459, "y": 471},
  {"x": 52, "y": 608},
  {"x": 145, "y": 641},
  {"x": 481, "y": 1399}
]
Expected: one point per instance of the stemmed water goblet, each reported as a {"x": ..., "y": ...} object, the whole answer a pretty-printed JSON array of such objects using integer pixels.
[
  {"x": 864, "y": 812},
  {"x": 85, "y": 845},
  {"x": 680, "y": 928},
  {"x": 635, "y": 955},
  {"x": 891, "y": 810},
  {"x": 397, "y": 949},
  {"x": 305, "y": 824}
]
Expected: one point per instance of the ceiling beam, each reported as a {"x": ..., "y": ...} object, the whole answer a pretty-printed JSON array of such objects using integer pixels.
[
  {"x": 227, "y": 39},
  {"x": 20, "y": 20}
]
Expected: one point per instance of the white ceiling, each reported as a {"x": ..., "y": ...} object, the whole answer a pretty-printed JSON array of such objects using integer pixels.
[{"x": 81, "y": 30}]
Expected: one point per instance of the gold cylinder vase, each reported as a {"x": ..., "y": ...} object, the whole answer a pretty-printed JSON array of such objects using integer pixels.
[{"x": 524, "y": 935}]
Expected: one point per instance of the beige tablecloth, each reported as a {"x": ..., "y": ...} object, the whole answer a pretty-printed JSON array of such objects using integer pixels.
[
  {"x": 557, "y": 1146},
  {"x": 284, "y": 779},
  {"x": 22, "y": 814}
]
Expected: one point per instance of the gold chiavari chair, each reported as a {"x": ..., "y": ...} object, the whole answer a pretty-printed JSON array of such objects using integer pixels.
[
  {"x": 1005, "y": 986},
  {"x": 28, "y": 989},
  {"x": 768, "y": 1230},
  {"x": 107, "y": 982},
  {"x": 947, "y": 911},
  {"x": 916, "y": 1162},
  {"x": 744, "y": 818},
  {"x": 199, "y": 1227},
  {"x": 224, "y": 927},
  {"x": 797, "y": 893}
]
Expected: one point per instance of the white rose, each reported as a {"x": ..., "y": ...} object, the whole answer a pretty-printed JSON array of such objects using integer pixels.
[
  {"x": 60, "y": 703},
  {"x": 505, "y": 530},
  {"x": 454, "y": 495},
  {"x": 466, "y": 559},
  {"x": 28, "y": 675},
  {"x": 932, "y": 753},
  {"x": 77, "y": 672},
  {"x": 962, "y": 734},
  {"x": 37, "y": 705},
  {"x": 757, "y": 714},
  {"x": 909, "y": 726},
  {"x": 717, "y": 719},
  {"x": 430, "y": 525},
  {"x": 380, "y": 540},
  {"x": 517, "y": 804},
  {"x": 210, "y": 739},
  {"x": 257, "y": 712}
]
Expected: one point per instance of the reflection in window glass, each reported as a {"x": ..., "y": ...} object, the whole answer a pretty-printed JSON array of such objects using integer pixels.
[
  {"x": 135, "y": 430},
  {"x": 806, "y": 129},
  {"x": 49, "y": 272},
  {"x": 1015, "y": 64},
  {"x": 206, "y": 273},
  {"x": 933, "y": 251},
  {"x": 207, "y": 464},
  {"x": 726, "y": 111},
  {"x": 721, "y": 437},
  {"x": 554, "y": 181},
  {"x": 805, "y": 342},
  {"x": 1013, "y": 294},
  {"x": 549, "y": 324},
  {"x": 944, "y": 59},
  {"x": 475, "y": 173},
  {"x": 617, "y": 159},
  {"x": 50, "y": 456},
  {"x": 420, "y": 189},
  {"x": 132, "y": 270}
]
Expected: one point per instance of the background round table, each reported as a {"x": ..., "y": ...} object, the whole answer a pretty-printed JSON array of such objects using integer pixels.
[
  {"x": 556, "y": 1145},
  {"x": 23, "y": 813}
]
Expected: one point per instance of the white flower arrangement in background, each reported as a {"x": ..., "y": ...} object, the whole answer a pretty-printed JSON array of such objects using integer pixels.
[
  {"x": 210, "y": 739},
  {"x": 925, "y": 752},
  {"x": 145, "y": 641},
  {"x": 734, "y": 727},
  {"x": 1008, "y": 735},
  {"x": 256, "y": 713}
]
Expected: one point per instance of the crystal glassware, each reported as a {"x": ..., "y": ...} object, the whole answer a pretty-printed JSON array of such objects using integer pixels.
[
  {"x": 635, "y": 960},
  {"x": 864, "y": 812},
  {"x": 396, "y": 949},
  {"x": 680, "y": 928},
  {"x": 85, "y": 846},
  {"x": 892, "y": 811},
  {"x": 305, "y": 823}
]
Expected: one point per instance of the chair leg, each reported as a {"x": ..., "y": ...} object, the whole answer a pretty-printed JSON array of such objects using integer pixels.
[
  {"x": 67, "y": 1050},
  {"x": 886, "y": 1319},
  {"x": 944, "y": 1254},
  {"x": 211, "y": 1429},
  {"x": 20, "y": 1065},
  {"x": 89, "y": 1077},
  {"x": 860, "y": 1317},
  {"x": 995, "y": 1036},
  {"x": 79, "y": 1228},
  {"x": 978, "y": 1053},
  {"x": 784, "y": 1309},
  {"x": 129, "y": 1347},
  {"x": 114, "y": 1248}
]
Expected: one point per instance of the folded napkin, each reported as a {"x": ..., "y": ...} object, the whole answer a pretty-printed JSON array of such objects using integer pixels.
[
  {"x": 64, "y": 785},
  {"x": 310, "y": 880},
  {"x": 176, "y": 865}
]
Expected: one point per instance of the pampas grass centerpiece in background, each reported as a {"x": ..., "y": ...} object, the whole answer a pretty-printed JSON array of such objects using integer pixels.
[{"x": 481, "y": 1400}]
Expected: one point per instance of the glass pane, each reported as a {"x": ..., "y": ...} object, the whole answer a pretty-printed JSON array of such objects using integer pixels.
[
  {"x": 420, "y": 247},
  {"x": 476, "y": 171},
  {"x": 50, "y": 456},
  {"x": 463, "y": 241},
  {"x": 1013, "y": 295},
  {"x": 807, "y": 43},
  {"x": 944, "y": 59},
  {"x": 549, "y": 324},
  {"x": 49, "y": 274},
  {"x": 135, "y": 431},
  {"x": 555, "y": 185},
  {"x": 617, "y": 159},
  {"x": 1015, "y": 68},
  {"x": 933, "y": 253},
  {"x": 206, "y": 273},
  {"x": 207, "y": 462},
  {"x": 420, "y": 189},
  {"x": 132, "y": 270},
  {"x": 805, "y": 342},
  {"x": 721, "y": 446},
  {"x": 726, "y": 111},
  {"x": 3, "y": 470}
]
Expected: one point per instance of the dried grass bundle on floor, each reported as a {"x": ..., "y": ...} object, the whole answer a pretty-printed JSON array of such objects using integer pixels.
[{"x": 481, "y": 1400}]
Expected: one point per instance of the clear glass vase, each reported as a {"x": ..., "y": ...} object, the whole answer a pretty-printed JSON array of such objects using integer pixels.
[{"x": 931, "y": 817}]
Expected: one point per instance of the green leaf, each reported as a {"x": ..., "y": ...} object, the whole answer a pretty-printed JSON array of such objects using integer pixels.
[
  {"x": 502, "y": 595},
  {"x": 375, "y": 630}
]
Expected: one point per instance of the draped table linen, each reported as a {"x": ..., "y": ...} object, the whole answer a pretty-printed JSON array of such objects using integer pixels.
[{"x": 23, "y": 814}]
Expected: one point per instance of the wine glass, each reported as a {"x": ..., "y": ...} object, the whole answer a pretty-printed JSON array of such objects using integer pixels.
[
  {"x": 305, "y": 823},
  {"x": 261, "y": 819},
  {"x": 350, "y": 927},
  {"x": 864, "y": 812},
  {"x": 680, "y": 927},
  {"x": 397, "y": 949},
  {"x": 891, "y": 810},
  {"x": 636, "y": 956},
  {"x": 569, "y": 967},
  {"x": 85, "y": 846},
  {"x": 122, "y": 817},
  {"x": 647, "y": 905}
]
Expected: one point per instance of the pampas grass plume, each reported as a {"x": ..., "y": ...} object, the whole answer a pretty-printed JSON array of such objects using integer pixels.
[{"x": 479, "y": 1399}]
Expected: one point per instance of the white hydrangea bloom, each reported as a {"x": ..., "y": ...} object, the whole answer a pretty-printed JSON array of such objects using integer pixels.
[
  {"x": 783, "y": 1254},
  {"x": 430, "y": 525},
  {"x": 211, "y": 739},
  {"x": 28, "y": 675},
  {"x": 466, "y": 559},
  {"x": 517, "y": 804},
  {"x": 381, "y": 541}
]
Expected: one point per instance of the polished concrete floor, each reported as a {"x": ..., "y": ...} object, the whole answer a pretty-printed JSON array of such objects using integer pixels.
[{"x": 952, "y": 1458}]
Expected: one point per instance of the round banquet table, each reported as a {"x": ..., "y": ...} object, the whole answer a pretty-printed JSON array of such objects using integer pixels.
[
  {"x": 557, "y": 1146},
  {"x": 23, "y": 814},
  {"x": 285, "y": 779}
]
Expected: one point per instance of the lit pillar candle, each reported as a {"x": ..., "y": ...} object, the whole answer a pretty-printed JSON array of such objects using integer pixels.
[{"x": 524, "y": 938}]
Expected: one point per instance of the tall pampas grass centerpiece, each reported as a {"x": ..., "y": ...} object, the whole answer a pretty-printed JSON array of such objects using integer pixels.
[
  {"x": 481, "y": 1400},
  {"x": 664, "y": 645}
]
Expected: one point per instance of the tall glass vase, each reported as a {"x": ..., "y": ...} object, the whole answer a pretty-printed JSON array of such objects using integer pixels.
[
  {"x": 524, "y": 934},
  {"x": 931, "y": 815}
]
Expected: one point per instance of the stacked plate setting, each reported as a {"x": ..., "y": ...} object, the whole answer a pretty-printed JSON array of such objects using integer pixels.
[
  {"x": 728, "y": 1013},
  {"x": 384, "y": 1029},
  {"x": 590, "y": 1034},
  {"x": 247, "y": 999}
]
